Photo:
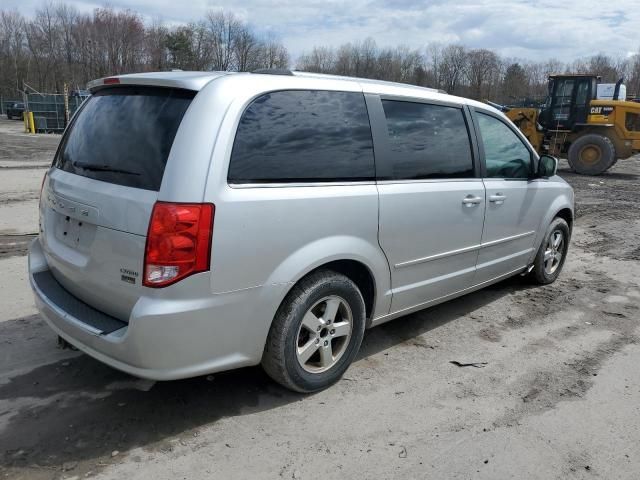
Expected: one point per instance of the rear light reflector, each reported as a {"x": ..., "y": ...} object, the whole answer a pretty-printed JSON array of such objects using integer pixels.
[
  {"x": 178, "y": 242},
  {"x": 111, "y": 81}
]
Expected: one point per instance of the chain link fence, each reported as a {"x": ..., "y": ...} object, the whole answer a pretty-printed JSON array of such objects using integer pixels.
[{"x": 49, "y": 110}]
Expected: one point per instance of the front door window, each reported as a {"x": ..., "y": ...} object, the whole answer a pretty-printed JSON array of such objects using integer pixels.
[{"x": 506, "y": 156}]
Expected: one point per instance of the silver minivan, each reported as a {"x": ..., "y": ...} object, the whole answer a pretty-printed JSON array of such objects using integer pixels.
[{"x": 193, "y": 222}]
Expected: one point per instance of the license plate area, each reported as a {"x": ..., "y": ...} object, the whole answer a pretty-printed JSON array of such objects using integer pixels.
[
  {"x": 71, "y": 223},
  {"x": 69, "y": 230}
]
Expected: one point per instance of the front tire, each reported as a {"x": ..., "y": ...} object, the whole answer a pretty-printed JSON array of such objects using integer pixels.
[
  {"x": 591, "y": 154},
  {"x": 552, "y": 253},
  {"x": 316, "y": 332}
]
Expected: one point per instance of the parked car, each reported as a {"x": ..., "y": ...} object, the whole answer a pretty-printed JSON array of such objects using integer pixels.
[
  {"x": 15, "y": 110},
  {"x": 199, "y": 222},
  {"x": 80, "y": 93}
]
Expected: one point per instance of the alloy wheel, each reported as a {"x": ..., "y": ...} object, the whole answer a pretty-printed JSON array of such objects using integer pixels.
[
  {"x": 553, "y": 252},
  {"x": 324, "y": 334}
]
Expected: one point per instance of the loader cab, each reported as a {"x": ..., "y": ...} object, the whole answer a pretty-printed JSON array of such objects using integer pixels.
[{"x": 567, "y": 104}]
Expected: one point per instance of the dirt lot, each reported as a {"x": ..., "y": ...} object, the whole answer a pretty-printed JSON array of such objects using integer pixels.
[{"x": 558, "y": 398}]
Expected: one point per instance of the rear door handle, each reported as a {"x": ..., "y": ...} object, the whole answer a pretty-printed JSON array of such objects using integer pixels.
[
  {"x": 498, "y": 198},
  {"x": 470, "y": 201}
]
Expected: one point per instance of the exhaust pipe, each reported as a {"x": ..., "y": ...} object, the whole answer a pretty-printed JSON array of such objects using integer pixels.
[{"x": 616, "y": 92}]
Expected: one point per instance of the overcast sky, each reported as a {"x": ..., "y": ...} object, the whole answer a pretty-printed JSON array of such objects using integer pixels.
[{"x": 531, "y": 29}]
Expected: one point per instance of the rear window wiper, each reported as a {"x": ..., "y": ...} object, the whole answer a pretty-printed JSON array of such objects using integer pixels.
[{"x": 95, "y": 167}]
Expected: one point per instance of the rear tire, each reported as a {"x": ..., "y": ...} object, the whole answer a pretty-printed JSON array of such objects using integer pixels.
[
  {"x": 552, "y": 253},
  {"x": 316, "y": 332},
  {"x": 8, "y": 117},
  {"x": 591, "y": 154}
]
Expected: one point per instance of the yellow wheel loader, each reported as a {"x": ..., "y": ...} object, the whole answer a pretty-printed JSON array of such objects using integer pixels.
[{"x": 588, "y": 122}]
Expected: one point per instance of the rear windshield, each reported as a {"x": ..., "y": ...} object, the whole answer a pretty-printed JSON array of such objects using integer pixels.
[{"x": 123, "y": 135}]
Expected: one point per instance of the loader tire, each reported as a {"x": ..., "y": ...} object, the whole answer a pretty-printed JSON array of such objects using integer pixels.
[{"x": 591, "y": 154}]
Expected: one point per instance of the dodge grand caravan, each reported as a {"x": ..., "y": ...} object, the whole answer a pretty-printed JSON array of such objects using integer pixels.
[{"x": 198, "y": 222}]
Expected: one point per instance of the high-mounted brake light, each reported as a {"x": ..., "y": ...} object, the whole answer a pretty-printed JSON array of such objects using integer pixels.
[
  {"x": 111, "y": 81},
  {"x": 178, "y": 242}
]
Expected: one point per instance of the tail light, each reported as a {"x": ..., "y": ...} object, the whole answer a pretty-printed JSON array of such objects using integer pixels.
[{"x": 178, "y": 242}]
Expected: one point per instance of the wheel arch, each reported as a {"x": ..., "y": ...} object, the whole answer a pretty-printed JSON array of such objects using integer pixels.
[
  {"x": 562, "y": 207},
  {"x": 359, "y": 274},
  {"x": 359, "y": 260},
  {"x": 567, "y": 215}
]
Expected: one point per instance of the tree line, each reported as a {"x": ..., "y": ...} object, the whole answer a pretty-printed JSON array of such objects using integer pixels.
[
  {"x": 477, "y": 73},
  {"x": 59, "y": 45}
]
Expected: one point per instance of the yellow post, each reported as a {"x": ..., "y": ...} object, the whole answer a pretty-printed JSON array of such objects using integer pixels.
[
  {"x": 25, "y": 119},
  {"x": 32, "y": 124}
]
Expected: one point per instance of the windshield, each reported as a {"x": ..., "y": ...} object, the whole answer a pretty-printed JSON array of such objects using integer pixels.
[{"x": 123, "y": 135}]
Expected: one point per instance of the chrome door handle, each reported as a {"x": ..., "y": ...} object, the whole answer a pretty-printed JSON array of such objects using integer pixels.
[
  {"x": 470, "y": 201},
  {"x": 498, "y": 199}
]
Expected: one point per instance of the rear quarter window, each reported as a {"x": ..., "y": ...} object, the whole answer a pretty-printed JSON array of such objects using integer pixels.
[
  {"x": 123, "y": 135},
  {"x": 303, "y": 136}
]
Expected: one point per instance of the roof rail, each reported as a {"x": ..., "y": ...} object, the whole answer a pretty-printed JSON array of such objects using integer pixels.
[
  {"x": 273, "y": 71},
  {"x": 298, "y": 73}
]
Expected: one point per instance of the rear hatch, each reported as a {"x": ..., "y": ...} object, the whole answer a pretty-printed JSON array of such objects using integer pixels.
[{"x": 99, "y": 195}]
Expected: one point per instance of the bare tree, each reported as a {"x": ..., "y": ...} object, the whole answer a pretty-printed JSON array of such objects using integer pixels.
[
  {"x": 433, "y": 65},
  {"x": 245, "y": 50},
  {"x": 223, "y": 29},
  {"x": 634, "y": 77},
  {"x": 453, "y": 65},
  {"x": 605, "y": 67},
  {"x": 320, "y": 60},
  {"x": 272, "y": 54},
  {"x": 13, "y": 66},
  {"x": 482, "y": 64},
  {"x": 366, "y": 55},
  {"x": 155, "y": 46}
]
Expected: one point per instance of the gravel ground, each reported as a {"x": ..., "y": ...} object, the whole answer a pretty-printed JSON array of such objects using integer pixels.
[{"x": 558, "y": 398}]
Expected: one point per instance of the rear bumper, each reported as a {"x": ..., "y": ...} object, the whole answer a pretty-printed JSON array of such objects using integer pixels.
[{"x": 170, "y": 334}]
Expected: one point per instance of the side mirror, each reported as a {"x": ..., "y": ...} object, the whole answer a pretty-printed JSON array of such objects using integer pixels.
[{"x": 547, "y": 166}]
